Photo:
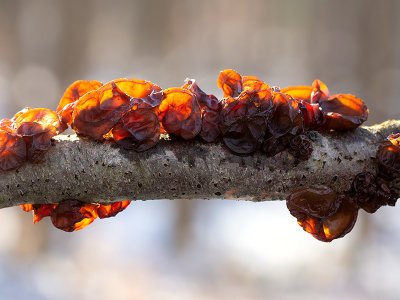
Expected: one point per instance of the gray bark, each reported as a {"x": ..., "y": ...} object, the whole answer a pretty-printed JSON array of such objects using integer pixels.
[{"x": 102, "y": 172}]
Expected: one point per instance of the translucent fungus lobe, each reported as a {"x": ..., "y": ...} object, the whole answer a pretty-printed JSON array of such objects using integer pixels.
[
  {"x": 138, "y": 130},
  {"x": 180, "y": 113},
  {"x": 321, "y": 212},
  {"x": 12, "y": 151}
]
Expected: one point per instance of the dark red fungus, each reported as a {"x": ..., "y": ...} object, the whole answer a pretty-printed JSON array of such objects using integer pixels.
[
  {"x": 313, "y": 117},
  {"x": 134, "y": 112},
  {"x": 12, "y": 151},
  {"x": 73, "y": 215},
  {"x": 272, "y": 145},
  {"x": 301, "y": 147},
  {"x": 343, "y": 112},
  {"x": 210, "y": 111},
  {"x": 321, "y": 212},
  {"x": 286, "y": 117},
  {"x": 244, "y": 119},
  {"x": 138, "y": 130},
  {"x": 372, "y": 192}
]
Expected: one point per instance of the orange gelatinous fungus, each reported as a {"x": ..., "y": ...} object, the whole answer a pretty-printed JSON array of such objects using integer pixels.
[
  {"x": 180, "y": 113},
  {"x": 210, "y": 111},
  {"x": 394, "y": 139},
  {"x": 321, "y": 212},
  {"x": 253, "y": 85},
  {"x": 22, "y": 111},
  {"x": 341, "y": 222},
  {"x": 343, "y": 112},
  {"x": 46, "y": 118},
  {"x": 65, "y": 114},
  {"x": 138, "y": 130},
  {"x": 110, "y": 210},
  {"x": 37, "y": 127},
  {"x": 145, "y": 93},
  {"x": 77, "y": 90},
  {"x": 312, "y": 94},
  {"x": 320, "y": 91},
  {"x": 12, "y": 151},
  {"x": 42, "y": 210},
  {"x": 300, "y": 92},
  {"x": 6, "y": 122},
  {"x": 96, "y": 112},
  {"x": 6, "y": 125},
  {"x": 205, "y": 101},
  {"x": 230, "y": 82},
  {"x": 26, "y": 207},
  {"x": 72, "y": 94},
  {"x": 73, "y": 215}
]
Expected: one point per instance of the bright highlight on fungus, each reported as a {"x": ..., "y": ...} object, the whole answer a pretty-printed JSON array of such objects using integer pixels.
[{"x": 252, "y": 116}]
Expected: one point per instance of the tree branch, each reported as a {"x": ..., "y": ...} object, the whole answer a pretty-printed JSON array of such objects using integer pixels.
[{"x": 102, "y": 172}]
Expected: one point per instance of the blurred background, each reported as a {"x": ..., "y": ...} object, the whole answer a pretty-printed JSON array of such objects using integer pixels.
[{"x": 199, "y": 249}]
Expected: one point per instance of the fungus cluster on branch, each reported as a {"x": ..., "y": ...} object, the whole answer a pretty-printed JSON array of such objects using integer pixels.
[{"x": 251, "y": 116}]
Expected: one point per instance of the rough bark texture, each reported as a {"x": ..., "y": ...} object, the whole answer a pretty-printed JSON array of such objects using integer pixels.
[{"x": 102, "y": 172}]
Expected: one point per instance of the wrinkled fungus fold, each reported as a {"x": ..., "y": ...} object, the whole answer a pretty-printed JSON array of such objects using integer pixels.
[{"x": 251, "y": 116}]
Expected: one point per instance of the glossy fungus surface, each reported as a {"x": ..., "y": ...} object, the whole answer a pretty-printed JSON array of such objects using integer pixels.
[
  {"x": 37, "y": 127},
  {"x": 210, "y": 111},
  {"x": 180, "y": 113},
  {"x": 244, "y": 119},
  {"x": 96, "y": 112},
  {"x": 12, "y": 151},
  {"x": 338, "y": 112},
  {"x": 77, "y": 90},
  {"x": 73, "y": 215},
  {"x": 138, "y": 130},
  {"x": 388, "y": 157},
  {"x": 251, "y": 116},
  {"x": 343, "y": 112},
  {"x": 321, "y": 212},
  {"x": 286, "y": 117},
  {"x": 301, "y": 147},
  {"x": 71, "y": 95},
  {"x": 111, "y": 210},
  {"x": 230, "y": 82},
  {"x": 373, "y": 192}
]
